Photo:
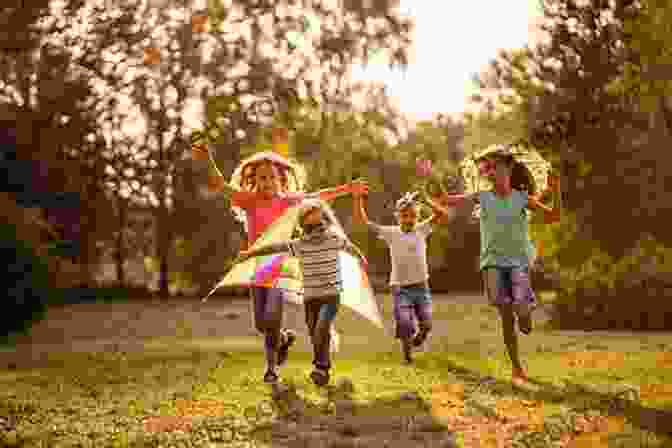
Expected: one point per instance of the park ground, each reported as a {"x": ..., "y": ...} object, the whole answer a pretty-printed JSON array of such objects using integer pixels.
[{"x": 183, "y": 373}]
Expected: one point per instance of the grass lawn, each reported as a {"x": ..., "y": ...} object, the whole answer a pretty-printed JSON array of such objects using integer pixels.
[{"x": 588, "y": 390}]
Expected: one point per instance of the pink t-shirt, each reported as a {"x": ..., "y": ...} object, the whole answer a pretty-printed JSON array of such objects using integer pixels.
[{"x": 261, "y": 211}]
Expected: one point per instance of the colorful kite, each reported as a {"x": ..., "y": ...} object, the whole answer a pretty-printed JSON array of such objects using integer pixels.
[{"x": 283, "y": 271}]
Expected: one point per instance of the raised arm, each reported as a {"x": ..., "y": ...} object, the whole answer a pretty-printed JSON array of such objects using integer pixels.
[
  {"x": 552, "y": 215},
  {"x": 265, "y": 250},
  {"x": 438, "y": 212},
  {"x": 359, "y": 211},
  {"x": 216, "y": 179},
  {"x": 455, "y": 200},
  {"x": 328, "y": 194}
]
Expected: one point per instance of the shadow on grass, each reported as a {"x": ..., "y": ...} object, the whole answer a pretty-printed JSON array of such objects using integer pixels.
[
  {"x": 336, "y": 420},
  {"x": 577, "y": 396}
]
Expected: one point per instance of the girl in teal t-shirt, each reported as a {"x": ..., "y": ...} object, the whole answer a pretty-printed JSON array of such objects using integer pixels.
[{"x": 506, "y": 249}]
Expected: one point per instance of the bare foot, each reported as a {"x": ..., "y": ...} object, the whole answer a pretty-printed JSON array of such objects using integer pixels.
[{"x": 518, "y": 376}]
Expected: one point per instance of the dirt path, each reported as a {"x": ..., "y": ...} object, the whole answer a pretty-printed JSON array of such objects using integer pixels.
[
  {"x": 220, "y": 324},
  {"x": 226, "y": 324}
]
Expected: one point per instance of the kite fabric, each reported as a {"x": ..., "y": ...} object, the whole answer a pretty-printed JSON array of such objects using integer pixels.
[
  {"x": 283, "y": 271},
  {"x": 286, "y": 269}
]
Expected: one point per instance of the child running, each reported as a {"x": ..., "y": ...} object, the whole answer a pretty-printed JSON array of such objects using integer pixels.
[
  {"x": 409, "y": 278},
  {"x": 505, "y": 249},
  {"x": 318, "y": 250},
  {"x": 277, "y": 185}
]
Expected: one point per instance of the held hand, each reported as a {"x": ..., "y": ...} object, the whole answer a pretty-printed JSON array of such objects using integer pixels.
[
  {"x": 358, "y": 188},
  {"x": 216, "y": 183},
  {"x": 552, "y": 217},
  {"x": 199, "y": 151},
  {"x": 554, "y": 182},
  {"x": 242, "y": 256}
]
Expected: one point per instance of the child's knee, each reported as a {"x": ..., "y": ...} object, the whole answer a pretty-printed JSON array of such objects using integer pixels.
[
  {"x": 268, "y": 324},
  {"x": 405, "y": 327},
  {"x": 426, "y": 325}
]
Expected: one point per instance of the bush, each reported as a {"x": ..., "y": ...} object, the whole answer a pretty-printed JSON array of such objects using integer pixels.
[
  {"x": 632, "y": 293},
  {"x": 25, "y": 282}
]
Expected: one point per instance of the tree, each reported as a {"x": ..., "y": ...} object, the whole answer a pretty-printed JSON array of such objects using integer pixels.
[{"x": 586, "y": 96}]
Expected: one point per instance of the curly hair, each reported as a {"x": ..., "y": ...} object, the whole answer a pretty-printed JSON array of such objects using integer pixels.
[
  {"x": 292, "y": 176},
  {"x": 521, "y": 177}
]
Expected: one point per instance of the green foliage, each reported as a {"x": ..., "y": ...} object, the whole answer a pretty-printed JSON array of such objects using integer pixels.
[
  {"x": 630, "y": 292},
  {"x": 649, "y": 34}
]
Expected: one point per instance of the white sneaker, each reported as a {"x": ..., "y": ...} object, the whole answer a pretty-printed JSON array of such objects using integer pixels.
[{"x": 335, "y": 339}]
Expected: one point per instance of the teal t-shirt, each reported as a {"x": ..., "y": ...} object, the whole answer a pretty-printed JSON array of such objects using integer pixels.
[{"x": 505, "y": 241}]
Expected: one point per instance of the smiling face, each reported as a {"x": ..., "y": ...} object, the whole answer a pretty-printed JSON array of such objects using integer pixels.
[
  {"x": 267, "y": 179},
  {"x": 502, "y": 171},
  {"x": 407, "y": 218}
]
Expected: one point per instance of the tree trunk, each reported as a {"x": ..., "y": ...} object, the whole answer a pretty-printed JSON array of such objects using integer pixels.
[
  {"x": 87, "y": 256},
  {"x": 120, "y": 253},
  {"x": 667, "y": 113},
  {"x": 162, "y": 240}
]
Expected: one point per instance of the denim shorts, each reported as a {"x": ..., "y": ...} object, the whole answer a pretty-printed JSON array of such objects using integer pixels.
[{"x": 508, "y": 286}]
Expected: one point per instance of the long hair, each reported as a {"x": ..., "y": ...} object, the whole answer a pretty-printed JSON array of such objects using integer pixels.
[
  {"x": 521, "y": 177},
  {"x": 292, "y": 175}
]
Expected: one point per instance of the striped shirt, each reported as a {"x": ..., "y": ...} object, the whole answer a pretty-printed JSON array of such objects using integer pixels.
[{"x": 319, "y": 257}]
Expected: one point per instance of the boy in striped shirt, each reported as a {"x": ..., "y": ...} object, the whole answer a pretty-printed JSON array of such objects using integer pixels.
[{"x": 318, "y": 249}]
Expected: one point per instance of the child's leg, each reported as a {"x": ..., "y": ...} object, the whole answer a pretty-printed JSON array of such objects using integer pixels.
[
  {"x": 510, "y": 335},
  {"x": 322, "y": 334},
  {"x": 319, "y": 317},
  {"x": 524, "y": 299},
  {"x": 268, "y": 304},
  {"x": 499, "y": 295},
  {"x": 405, "y": 321},
  {"x": 423, "y": 313},
  {"x": 312, "y": 313}
]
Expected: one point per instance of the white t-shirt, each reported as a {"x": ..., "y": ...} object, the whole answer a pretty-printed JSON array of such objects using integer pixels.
[{"x": 408, "y": 252}]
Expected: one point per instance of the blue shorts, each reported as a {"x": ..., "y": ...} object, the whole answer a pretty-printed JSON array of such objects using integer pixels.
[
  {"x": 411, "y": 304},
  {"x": 508, "y": 286}
]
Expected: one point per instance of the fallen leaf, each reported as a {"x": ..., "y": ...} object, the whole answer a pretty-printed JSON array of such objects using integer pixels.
[
  {"x": 594, "y": 431},
  {"x": 594, "y": 359},
  {"x": 167, "y": 423},
  {"x": 199, "y": 23},
  {"x": 663, "y": 360},
  {"x": 200, "y": 408},
  {"x": 656, "y": 392},
  {"x": 529, "y": 413},
  {"x": 152, "y": 56}
]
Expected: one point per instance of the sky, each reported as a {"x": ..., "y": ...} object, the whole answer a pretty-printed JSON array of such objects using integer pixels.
[{"x": 450, "y": 44}]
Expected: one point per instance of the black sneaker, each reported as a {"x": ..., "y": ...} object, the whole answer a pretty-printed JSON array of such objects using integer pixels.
[
  {"x": 320, "y": 377},
  {"x": 270, "y": 377},
  {"x": 420, "y": 338},
  {"x": 283, "y": 351},
  {"x": 525, "y": 323}
]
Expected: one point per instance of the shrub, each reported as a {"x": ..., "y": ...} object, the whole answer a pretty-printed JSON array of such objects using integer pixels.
[
  {"x": 25, "y": 282},
  {"x": 631, "y": 293}
]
